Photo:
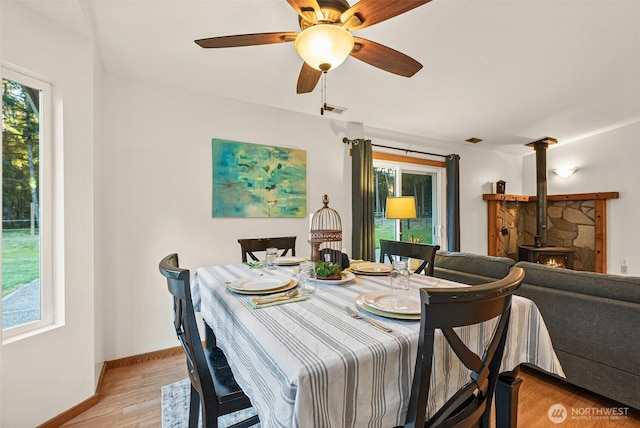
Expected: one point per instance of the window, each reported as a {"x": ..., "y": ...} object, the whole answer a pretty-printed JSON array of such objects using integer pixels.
[
  {"x": 425, "y": 183},
  {"x": 27, "y": 298}
]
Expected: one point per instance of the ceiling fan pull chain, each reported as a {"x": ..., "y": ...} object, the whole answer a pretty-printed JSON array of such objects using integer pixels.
[{"x": 323, "y": 93}]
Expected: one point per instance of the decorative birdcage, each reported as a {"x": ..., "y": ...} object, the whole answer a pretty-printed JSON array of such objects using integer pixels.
[{"x": 325, "y": 234}]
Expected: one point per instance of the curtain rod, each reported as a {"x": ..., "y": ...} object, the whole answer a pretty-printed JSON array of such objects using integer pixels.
[{"x": 355, "y": 142}]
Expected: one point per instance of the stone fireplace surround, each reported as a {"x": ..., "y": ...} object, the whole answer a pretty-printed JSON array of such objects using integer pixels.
[{"x": 576, "y": 221}]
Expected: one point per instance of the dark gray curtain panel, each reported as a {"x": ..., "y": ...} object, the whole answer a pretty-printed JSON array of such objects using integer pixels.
[
  {"x": 362, "y": 194},
  {"x": 453, "y": 202}
]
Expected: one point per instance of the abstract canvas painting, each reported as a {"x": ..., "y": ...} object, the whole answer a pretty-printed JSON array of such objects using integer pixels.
[{"x": 252, "y": 180}]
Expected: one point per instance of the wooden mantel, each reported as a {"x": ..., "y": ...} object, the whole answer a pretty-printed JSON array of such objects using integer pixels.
[
  {"x": 494, "y": 215},
  {"x": 569, "y": 197}
]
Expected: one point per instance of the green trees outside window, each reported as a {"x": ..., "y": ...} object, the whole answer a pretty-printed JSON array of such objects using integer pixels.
[
  {"x": 20, "y": 186},
  {"x": 396, "y": 180}
]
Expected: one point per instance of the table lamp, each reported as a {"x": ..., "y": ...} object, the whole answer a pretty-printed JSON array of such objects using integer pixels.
[{"x": 401, "y": 208}]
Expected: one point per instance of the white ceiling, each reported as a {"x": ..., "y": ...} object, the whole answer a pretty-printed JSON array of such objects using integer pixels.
[{"x": 507, "y": 71}]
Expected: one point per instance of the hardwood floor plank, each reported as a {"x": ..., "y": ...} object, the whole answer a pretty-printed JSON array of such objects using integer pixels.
[
  {"x": 131, "y": 395},
  {"x": 540, "y": 391},
  {"x": 131, "y": 398}
]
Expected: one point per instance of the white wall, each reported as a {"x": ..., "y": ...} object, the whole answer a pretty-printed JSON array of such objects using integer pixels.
[
  {"x": 478, "y": 170},
  {"x": 48, "y": 373},
  {"x": 98, "y": 273},
  {"x": 607, "y": 162}
]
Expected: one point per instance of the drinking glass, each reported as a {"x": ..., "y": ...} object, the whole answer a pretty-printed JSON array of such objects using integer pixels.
[
  {"x": 400, "y": 275},
  {"x": 272, "y": 258},
  {"x": 307, "y": 278}
]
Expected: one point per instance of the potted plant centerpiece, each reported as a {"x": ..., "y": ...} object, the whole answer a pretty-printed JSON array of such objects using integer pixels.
[{"x": 328, "y": 270}]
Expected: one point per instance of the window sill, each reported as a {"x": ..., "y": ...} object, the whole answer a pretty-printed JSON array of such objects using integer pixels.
[{"x": 27, "y": 334}]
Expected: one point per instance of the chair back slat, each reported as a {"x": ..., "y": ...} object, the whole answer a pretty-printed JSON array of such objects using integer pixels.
[
  {"x": 252, "y": 245},
  {"x": 413, "y": 250},
  {"x": 459, "y": 313},
  {"x": 466, "y": 355},
  {"x": 444, "y": 309}
]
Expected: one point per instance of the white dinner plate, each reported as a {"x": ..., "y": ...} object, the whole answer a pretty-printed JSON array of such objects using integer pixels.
[
  {"x": 292, "y": 284},
  {"x": 346, "y": 277},
  {"x": 360, "y": 302},
  {"x": 395, "y": 301},
  {"x": 371, "y": 268},
  {"x": 260, "y": 283},
  {"x": 290, "y": 260}
]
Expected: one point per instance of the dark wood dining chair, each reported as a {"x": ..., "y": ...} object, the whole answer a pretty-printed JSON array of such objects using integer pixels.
[
  {"x": 413, "y": 250},
  {"x": 249, "y": 246},
  {"x": 214, "y": 390},
  {"x": 444, "y": 309}
]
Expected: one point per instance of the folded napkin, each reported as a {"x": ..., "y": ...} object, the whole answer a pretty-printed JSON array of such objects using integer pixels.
[
  {"x": 255, "y": 265},
  {"x": 262, "y": 302}
]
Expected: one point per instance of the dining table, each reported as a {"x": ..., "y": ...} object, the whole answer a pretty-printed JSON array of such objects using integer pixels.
[{"x": 309, "y": 363}]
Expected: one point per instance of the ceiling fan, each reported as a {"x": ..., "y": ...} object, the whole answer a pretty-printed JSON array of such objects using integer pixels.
[{"x": 325, "y": 38}]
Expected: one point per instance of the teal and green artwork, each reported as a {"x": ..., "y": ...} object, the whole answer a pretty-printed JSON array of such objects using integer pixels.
[{"x": 252, "y": 180}]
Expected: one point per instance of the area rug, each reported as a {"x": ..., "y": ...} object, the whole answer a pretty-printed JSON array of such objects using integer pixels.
[{"x": 175, "y": 408}]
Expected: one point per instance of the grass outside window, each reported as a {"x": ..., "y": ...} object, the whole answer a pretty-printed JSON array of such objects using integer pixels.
[
  {"x": 385, "y": 229},
  {"x": 20, "y": 259}
]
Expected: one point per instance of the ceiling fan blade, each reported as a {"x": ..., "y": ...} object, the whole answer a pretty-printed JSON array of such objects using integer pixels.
[
  {"x": 309, "y": 10},
  {"x": 308, "y": 79},
  {"x": 246, "y": 40},
  {"x": 368, "y": 12},
  {"x": 384, "y": 57}
]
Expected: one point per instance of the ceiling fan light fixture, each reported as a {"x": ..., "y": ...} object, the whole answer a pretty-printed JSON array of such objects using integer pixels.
[{"x": 324, "y": 46}]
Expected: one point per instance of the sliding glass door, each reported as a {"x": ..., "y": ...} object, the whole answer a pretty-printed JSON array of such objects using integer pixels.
[{"x": 426, "y": 185}]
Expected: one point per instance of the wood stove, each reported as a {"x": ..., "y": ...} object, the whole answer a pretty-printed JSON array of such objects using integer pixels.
[
  {"x": 540, "y": 252},
  {"x": 560, "y": 257}
]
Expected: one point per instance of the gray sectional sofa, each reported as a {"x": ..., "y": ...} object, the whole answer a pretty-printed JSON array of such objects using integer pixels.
[
  {"x": 470, "y": 268},
  {"x": 593, "y": 319}
]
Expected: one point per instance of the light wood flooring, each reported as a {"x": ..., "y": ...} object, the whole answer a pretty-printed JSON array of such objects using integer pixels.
[{"x": 131, "y": 398}]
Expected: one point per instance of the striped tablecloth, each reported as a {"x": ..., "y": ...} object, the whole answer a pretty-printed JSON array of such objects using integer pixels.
[{"x": 309, "y": 364}]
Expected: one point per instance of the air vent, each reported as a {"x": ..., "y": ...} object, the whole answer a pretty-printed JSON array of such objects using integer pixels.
[
  {"x": 473, "y": 140},
  {"x": 334, "y": 109}
]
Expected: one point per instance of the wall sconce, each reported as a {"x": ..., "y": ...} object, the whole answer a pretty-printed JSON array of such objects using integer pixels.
[{"x": 564, "y": 172}]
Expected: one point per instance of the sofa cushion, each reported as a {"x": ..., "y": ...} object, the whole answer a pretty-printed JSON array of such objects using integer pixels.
[
  {"x": 625, "y": 288},
  {"x": 461, "y": 277},
  {"x": 475, "y": 264}
]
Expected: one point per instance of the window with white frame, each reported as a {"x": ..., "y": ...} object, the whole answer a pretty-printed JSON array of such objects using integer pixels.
[
  {"x": 27, "y": 286},
  {"x": 427, "y": 185}
]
